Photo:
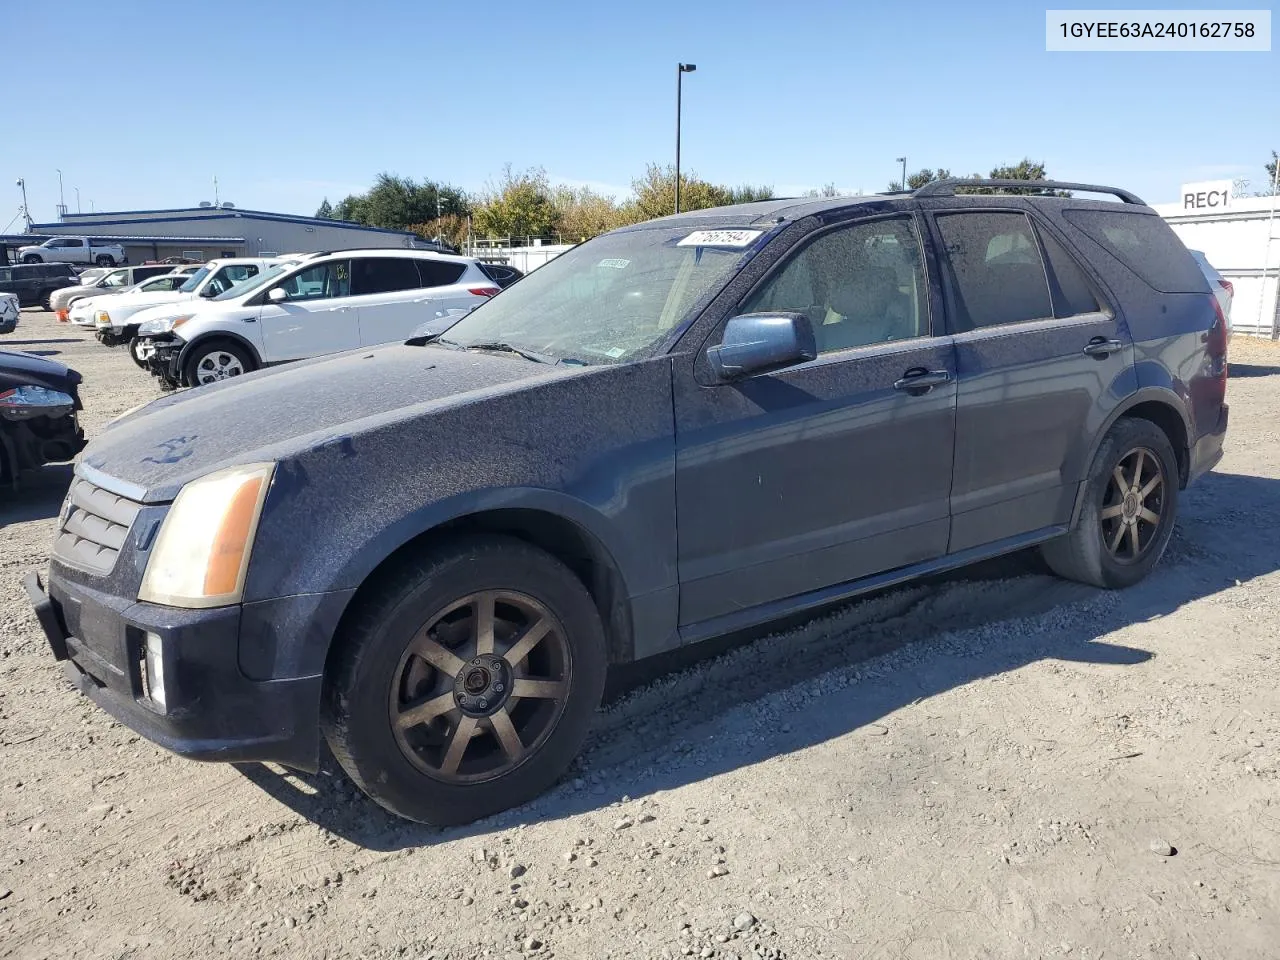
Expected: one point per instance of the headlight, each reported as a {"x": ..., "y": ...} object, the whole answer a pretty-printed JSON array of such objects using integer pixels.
[
  {"x": 202, "y": 552},
  {"x": 22, "y": 402},
  {"x": 103, "y": 318},
  {"x": 162, "y": 324}
]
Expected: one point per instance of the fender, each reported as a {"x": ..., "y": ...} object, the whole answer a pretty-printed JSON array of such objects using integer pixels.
[
  {"x": 387, "y": 541},
  {"x": 1163, "y": 395}
]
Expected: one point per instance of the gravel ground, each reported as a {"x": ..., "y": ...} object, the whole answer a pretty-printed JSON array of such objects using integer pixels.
[{"x": 998, "y": 764}]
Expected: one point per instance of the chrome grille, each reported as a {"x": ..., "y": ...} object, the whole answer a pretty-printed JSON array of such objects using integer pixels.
[{"x": 95, "y": 524}]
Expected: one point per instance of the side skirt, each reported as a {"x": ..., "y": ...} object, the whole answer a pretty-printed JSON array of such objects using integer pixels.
[{"x": 838, "y": 593}]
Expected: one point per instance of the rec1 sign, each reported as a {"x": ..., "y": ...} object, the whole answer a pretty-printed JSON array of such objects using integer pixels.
[{"x": 1207, "y": 195}]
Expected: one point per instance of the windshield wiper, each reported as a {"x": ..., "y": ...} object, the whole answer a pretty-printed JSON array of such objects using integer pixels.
[{"x": 508, "y": 348}]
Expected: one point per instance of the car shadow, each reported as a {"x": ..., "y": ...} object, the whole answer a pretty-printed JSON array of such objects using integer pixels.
[
  {"x": 1251, "y": 370},
  {"x": 38, "y": 496},
  {"x": 33, "y": 343},
  {"x": 843, "y": 670}
]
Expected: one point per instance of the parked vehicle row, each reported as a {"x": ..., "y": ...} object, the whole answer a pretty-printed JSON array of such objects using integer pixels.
[
  {"x": 112, "y": 281},
  {"x": 324, "y": 304},
  {"x": 427, "y": 554}
]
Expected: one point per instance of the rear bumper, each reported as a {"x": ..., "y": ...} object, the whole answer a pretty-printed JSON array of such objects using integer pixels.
[
  {"x": 1208, "y": 449},
  {"x": 211, "y": 710}
]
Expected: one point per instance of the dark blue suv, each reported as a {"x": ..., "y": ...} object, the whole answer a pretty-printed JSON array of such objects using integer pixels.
[{"x": 429, "y": 553}]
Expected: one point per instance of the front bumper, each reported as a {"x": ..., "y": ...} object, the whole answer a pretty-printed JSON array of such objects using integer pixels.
[
  {"x": 161, "y": 354},
  {"x": 212, "y": 710}
]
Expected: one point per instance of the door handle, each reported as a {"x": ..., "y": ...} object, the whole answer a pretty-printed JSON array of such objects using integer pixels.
[
  {"x": 919, "y": 381},
  {"x": 1101, "y": 347}
]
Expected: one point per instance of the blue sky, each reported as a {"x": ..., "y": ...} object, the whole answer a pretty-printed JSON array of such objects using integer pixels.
[{"x": 288, "y": 102}]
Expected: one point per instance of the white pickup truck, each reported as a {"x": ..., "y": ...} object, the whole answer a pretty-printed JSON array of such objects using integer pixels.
[{"x": 74, "y": 250}]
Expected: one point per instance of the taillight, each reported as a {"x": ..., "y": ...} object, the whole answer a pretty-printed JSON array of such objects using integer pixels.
[
  {"x": 1217, "y": 341},
  {"x": 1226, "y": 285},
  {"x": 484, "y": 291}
]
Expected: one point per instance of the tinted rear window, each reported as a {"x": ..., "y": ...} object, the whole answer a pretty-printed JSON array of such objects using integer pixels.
[
  {"x": 1145, "y": 244},
  {"x": 439, "y": 273}
]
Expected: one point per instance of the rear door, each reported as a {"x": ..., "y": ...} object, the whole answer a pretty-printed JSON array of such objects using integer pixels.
[
  {"x": 388, "y": 292},
  {"x": 1037, "y": 354},
  {"x": 319, "y": 315}
]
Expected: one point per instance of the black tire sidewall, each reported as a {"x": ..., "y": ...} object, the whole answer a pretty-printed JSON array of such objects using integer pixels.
[
  {"x": 204, "y": 347},
  {"x": 357, "y": 697},
  {"x": 133, "y": 346},
  {"x": 1123, "y": 438},
  {"x": 105, "y": 261}
]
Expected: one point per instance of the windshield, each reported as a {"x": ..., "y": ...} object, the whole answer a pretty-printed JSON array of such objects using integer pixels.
[
  {"x": 116, "y": 278},
  {"x": 612, "y": 298},
  {"x": 245, "y": 287},
  {"x": 194, "y": 280}
]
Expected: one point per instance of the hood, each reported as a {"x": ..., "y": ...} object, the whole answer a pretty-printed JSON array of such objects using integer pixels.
[
  {"x": 275, "y": 413},
  {"x": 26, "y": 369},
  {"x": 139, "y": 299}
]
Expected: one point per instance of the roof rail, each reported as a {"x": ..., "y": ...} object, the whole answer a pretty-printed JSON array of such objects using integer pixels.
[{"x": 947, "y": 188}]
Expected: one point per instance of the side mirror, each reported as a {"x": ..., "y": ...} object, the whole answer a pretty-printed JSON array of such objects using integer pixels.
[
  {"x": 277, "y": 294},
  {"x": 754, "y": 342},
  {"x": 209, "y": 292}
]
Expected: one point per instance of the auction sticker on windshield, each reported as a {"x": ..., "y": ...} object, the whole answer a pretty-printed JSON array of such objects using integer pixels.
[{"x": 720, "y": 238}]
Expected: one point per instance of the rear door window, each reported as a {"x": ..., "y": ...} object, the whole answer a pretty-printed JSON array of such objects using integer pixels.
[
  {"x": 1145, "y": 244},
  {"x": 997, "y": 274},
  {"x": 1072, "y": 292},
  {"x": 383, "y": 275},
  {"x": 439, "y": 273}
]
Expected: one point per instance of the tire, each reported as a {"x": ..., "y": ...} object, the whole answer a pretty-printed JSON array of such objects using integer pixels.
[
  {"x": 133, "y": 352},
  {"x": 374, "y": 676},
  {"x": 32, "y": 258},
  {"x": 1099, "y": 549},
  {"x": 216, "y": 359},
  {"x": 47, "y": 302},
  {"x": 105, "y": 260}
]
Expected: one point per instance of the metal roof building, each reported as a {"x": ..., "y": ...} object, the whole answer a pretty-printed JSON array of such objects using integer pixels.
[{"x": 223, "y": 231}]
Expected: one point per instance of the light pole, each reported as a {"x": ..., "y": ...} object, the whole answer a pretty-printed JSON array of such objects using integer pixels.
[
  {"x": 62, "y": 204},
  {"x": 77, "y": 190},
  {"x": 903, "y": 161},
  {"x": 26, "y": 212},
  {"x": 681, "y": 70}
]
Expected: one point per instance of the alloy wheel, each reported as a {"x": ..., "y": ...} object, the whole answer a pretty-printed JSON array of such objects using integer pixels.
[
  {"x": 218, "y": 365},
  {"x": 481, "y": 686},
  {"x": 1133, "y": 505}
]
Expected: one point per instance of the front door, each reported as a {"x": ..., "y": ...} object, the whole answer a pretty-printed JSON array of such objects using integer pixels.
[
  {"x": 318, "y": 316},
  {"x": 1038, "y": 354},
  {"x": 831, "y": 470}
]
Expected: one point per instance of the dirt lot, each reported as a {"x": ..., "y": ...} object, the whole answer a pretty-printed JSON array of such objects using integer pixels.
[{"x": 995, "y": 765}]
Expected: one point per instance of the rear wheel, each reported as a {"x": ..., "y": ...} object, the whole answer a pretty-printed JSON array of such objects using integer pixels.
[
  {"x": 214, "y": 360},
  {"x": 466, "y": 684},
  {"x": 105, "y": 260},
  {"x": 1129, "y": 509}
]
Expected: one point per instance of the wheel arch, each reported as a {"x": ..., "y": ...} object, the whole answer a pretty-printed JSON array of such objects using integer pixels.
[
  {"x": 1160, "y": 406},
  {"x": 569, "y": 539},
  {"x": 185, "y": 354}
]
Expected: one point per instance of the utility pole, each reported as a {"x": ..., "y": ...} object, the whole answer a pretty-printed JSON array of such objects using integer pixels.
[
  {"x": 26, "y": 211},
  {"x": 1266, "y": 259},
  {"x": 62, "y": 203},
  {"x": 681, "y": 70},
  {"x": 77, "y": 189},
  {"x": 903, "y": 161}
]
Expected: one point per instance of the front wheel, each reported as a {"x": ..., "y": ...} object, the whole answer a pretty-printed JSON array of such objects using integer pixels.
[
  {"x": 106, "y": 260},
  {"x": 134, "y": 352},
  {"x": 32, "y": 258},
  {"x": 216, "y": 360},
  {"x": 1128, "y": 513},
  {"x": 466, "y": 683}
]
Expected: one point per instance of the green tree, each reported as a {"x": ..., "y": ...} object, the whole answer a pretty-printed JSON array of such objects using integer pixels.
[
  {"x": 655, "y": 194},
  {"x": 826, "y": 190},
  {"x": 582, "y": 213},
  {"x": 350, "y": 208},
  {"x": 1025, "y": 169},
  {"x": 325, "y": 212},
  {"x": 519, "y": 205},
  {"x": 745, "y": 193},
  {"x": 1270, "y": 185},
  {"x": 918, "y": 179},
  {"x": 396, "y": 203}
]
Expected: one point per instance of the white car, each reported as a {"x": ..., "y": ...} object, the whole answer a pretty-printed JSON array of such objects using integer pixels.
[
  {"x": 112, "y": 316},
  {"x": 9, "y": 311},
  {"x": 325, "y": 304},
  {"x": 164, "y": 283},
  {"x": 74, "y": 250},
  {"x": 1223, "y": 290}
]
